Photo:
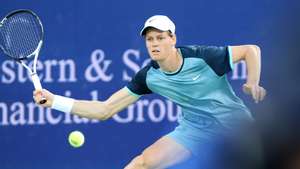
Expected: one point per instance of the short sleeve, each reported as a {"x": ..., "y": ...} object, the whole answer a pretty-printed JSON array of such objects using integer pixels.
[
  {"x": 218, "y": 58},
  {"x": 138, "y": 85}
]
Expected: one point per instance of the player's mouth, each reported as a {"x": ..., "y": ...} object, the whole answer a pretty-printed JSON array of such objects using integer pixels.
[{"x": 155, "y": 51}]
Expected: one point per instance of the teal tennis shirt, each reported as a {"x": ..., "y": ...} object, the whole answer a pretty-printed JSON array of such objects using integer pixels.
[{"x": 200, "y": 87}]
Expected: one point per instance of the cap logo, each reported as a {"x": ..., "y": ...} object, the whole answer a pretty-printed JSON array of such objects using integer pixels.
[{"x": 151, "y": 20}]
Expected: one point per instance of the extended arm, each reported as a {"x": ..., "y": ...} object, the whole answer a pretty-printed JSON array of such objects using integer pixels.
[{"x": 101, "y": 110}]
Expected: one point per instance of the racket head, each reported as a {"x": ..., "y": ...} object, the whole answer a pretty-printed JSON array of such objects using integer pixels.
[{"x": 21, "y": 34}]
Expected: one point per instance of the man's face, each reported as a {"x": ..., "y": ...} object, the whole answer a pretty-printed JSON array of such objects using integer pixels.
[{"x": 159, "y": 44}]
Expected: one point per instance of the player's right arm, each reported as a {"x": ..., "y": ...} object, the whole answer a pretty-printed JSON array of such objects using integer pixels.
[{"x": 101, "y": 110}]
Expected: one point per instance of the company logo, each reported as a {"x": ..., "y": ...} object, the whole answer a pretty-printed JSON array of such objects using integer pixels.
[{"x": 197, "y": 77}]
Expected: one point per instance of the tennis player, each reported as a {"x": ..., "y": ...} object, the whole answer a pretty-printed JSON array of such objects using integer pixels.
[{"x": 194, "y": 77}]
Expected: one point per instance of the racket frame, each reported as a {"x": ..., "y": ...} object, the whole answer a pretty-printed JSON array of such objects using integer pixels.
[{"x": 33, "y": 73}]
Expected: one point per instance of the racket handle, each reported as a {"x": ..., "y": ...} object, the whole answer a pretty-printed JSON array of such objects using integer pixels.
[
  {"x": 37, "y": 85},
  {"x": 36, "y": 81}
]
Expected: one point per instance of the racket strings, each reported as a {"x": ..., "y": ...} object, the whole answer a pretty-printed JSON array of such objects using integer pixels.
[{"x": 21, "y": 34}]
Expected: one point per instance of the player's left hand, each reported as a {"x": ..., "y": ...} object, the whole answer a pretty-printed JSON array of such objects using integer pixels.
[{"x": 257, "y": 92}]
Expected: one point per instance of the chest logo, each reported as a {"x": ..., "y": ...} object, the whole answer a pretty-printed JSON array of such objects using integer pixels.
[{"x": 196, "y": 77}]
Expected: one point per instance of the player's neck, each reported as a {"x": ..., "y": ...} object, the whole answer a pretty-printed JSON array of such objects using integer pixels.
[{"x": 172, "y": 63}]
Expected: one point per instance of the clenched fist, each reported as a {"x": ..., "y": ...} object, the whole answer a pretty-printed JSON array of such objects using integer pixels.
[
  {"x": 38, "y": 95},
  {"x": 257, "y": 92}
]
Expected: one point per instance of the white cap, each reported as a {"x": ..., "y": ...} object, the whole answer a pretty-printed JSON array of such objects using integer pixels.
[{"x": 159, "y": 22}]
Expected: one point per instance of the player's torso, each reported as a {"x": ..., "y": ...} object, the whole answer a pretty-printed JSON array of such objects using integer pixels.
[
  {"x": 198, "y": 90},
  {"x": 194, "y": 80}
]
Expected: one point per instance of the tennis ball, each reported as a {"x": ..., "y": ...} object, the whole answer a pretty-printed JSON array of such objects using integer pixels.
[{"x": 76, "y": 139}]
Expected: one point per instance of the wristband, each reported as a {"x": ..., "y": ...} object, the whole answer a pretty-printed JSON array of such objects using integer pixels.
[{"x": 62, "y": 103}]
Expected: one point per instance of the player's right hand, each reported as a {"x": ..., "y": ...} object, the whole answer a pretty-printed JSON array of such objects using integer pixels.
[{"x": 38, "y": 95}]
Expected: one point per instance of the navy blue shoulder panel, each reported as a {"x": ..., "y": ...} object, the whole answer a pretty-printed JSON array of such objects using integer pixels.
[
  {"x": 138, "y": 83},
  {"x": 216, "y": 57},
  {"x": 188, "y": 51},
  {"x": 154, "y": 64}
]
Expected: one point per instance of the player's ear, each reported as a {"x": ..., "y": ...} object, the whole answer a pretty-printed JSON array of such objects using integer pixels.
[{"x": 174, "y": 39}]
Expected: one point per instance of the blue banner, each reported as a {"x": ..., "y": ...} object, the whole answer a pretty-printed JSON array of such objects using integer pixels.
[{"x": 93, "y": 48}]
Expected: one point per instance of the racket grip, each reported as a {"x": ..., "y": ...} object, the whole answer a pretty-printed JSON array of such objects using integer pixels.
[
  {"x": 37, "y": 85},
  {"x": 36, "y": 81}
]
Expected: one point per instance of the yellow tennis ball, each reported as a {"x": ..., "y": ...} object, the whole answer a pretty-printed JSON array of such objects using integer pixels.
[{"x": 76, "y": 139}]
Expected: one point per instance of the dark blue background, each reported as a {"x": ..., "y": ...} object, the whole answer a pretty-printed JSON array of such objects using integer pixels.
[{"x": 73, "y": 29}]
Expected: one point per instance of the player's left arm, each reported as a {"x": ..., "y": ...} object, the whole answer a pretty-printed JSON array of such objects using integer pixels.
[{"x": 252, "y": 56}]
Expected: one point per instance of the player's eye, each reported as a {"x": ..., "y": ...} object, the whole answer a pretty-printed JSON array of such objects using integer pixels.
[
  {"x": 160, "y": 38},
  {"x": 149, "y": 39}
]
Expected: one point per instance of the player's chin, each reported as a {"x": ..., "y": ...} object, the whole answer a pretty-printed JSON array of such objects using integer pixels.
[{"x": 155, "y": 57}]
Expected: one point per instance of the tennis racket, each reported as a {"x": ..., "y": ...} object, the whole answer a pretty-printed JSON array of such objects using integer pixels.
[{"x": 21, "y": 38}]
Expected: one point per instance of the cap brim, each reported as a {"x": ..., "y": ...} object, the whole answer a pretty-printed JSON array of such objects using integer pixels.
[{"x": 143, "y": 31}]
